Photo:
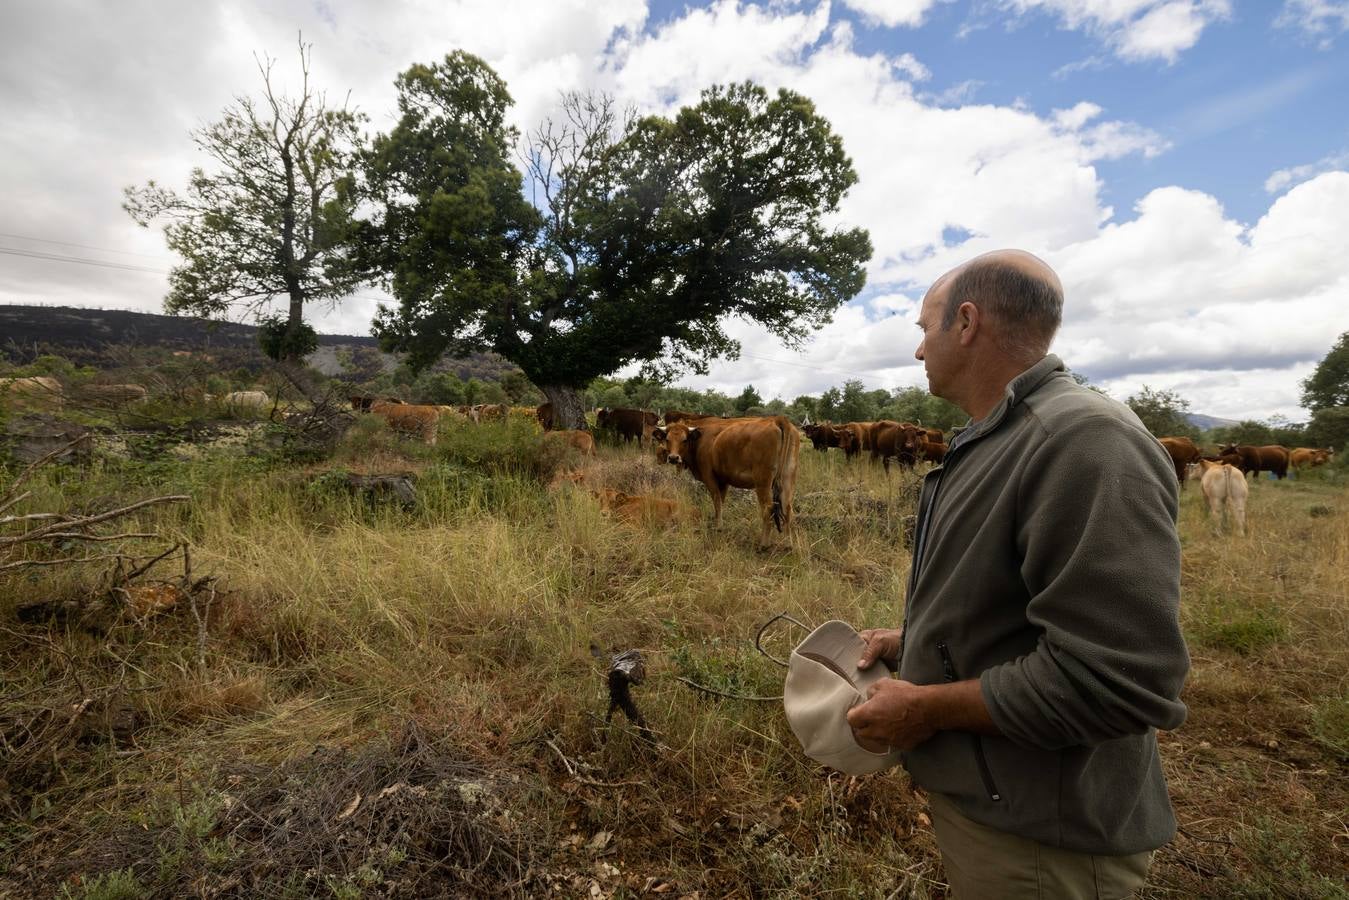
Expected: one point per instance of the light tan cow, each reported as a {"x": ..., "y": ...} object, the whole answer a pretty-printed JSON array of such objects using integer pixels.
[
  {"x": 409, "y": 418},
  {"x": 1309, "y": 457},
  {"x": 1225, "y": 490},
  {"x": 640, "y": 509},
  {"x": 579, "y": 440},
  {"x": 36, "y": 390},
  {"x": 247, "y": 401},
  {"x": 115, "y": 393}
]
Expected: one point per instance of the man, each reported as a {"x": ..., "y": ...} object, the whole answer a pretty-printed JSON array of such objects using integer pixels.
[{"x": 1041, "y": 647}]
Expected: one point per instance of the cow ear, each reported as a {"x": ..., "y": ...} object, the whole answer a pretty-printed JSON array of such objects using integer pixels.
[
  {"x": 658, "y": 433},
  {"x": 693, "y": 432}
]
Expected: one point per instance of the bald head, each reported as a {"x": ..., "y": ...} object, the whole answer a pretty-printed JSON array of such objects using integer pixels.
[{"x": 1017, "y": 290}]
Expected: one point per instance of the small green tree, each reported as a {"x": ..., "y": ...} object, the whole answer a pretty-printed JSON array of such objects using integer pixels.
[
  {"x": 1163, "y": 412},
  {"x": 804, "y": 406},
  {"x": 1328, "y": 384},
  {"x": 272, "y": 218},
  {"x": 748, "y": 399},
  {"x": 830, "y": 400},
  {"x": 856, "y": 403}
]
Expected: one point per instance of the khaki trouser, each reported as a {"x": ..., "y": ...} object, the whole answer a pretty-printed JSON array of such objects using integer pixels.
[{"x": 983, "y": 863}]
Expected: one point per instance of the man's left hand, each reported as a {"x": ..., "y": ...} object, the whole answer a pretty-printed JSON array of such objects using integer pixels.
[{"x": 895, "y": 714}]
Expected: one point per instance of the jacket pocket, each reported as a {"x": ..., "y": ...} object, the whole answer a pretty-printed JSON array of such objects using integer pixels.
[{"x": 948, "y": 667}]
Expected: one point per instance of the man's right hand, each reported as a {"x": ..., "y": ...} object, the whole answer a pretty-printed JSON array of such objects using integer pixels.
[{"x": 882, "y": 644}]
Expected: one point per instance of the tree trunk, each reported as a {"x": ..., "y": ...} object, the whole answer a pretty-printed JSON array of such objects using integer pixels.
[{"x": 568, "y": 410}]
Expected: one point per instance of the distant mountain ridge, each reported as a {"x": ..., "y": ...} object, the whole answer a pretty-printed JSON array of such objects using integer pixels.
[
  {"x": 90, "y": 337},
  {"x": 1204, "y": 423}
]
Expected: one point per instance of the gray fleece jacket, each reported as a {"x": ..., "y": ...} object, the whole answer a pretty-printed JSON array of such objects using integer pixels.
[{"x": 1047, "y": 565}]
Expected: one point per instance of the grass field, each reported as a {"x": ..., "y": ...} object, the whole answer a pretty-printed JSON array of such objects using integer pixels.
[{"x": 374, "y": 701}]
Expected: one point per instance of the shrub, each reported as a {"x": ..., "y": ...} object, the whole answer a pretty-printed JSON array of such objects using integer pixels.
[
  {"x": 514, "y": 446},
  {"x": 119, "y": 884}
]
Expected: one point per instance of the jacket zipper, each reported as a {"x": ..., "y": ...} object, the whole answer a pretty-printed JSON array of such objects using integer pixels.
[
  {"x": 986, "y": 774},
  {"x": 919, "y": 543}
]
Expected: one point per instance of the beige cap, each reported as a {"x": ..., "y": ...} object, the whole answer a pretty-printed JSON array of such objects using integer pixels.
[{"x": 823, "y": 683}]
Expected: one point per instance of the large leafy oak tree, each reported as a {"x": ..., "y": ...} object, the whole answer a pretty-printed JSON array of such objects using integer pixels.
[{"x": 645, "y": 234}]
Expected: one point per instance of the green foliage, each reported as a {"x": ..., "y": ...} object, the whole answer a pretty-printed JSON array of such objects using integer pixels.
[
  {"x": 1278, "y": 430},
  {"x": 450, "y": 228},
  {"x": 1162, "y": 412},
  {"x": 281, "y": 339},
  {"x": 514, "y": 446},
  {"x": 1241, "y": 629},
  {"x": 914, "y": 404},
  {"x": 119, "y": 884},
  {"x": 727, "y": 666},
  {"x": 1329, "y": 427},
  {"x": 856, "y": 404},
  {"x": 57, "y": 367},
  {"x": 1281, "y": 867},
  {"x": 274, "y": 217},
  {"x": 438, "y": 388},
  {"x": 519, "y": 392},
  {"x": 749, "y": 398},
  {"x": 1328, "y": 385},
  {"x": 655, "y": 230}
]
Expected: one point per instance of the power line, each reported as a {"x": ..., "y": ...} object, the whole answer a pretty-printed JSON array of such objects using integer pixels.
[
  {"x": 26, "y": 237},
  {"x": 870, "y": 373},
  {"x": 57, "y": 257}
]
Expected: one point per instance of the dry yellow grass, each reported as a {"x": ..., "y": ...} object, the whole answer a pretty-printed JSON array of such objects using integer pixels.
[{"x": 472, "y": 620}]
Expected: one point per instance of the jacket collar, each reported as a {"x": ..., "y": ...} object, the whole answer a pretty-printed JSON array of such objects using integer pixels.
[{"x": 1018, "y": 389}]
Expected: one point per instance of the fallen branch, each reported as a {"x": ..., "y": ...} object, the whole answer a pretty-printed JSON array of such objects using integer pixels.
[
  {"x": 79, "y": 536},
  {"x": 716, "y": 693},
  {"x": 86, "y": 521},
  {"x": 24, "y": 563}
]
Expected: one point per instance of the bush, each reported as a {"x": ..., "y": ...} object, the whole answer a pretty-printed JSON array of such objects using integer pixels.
[
  {"x": 515, "y": 446},
  {"x": 119, "y": 884}
]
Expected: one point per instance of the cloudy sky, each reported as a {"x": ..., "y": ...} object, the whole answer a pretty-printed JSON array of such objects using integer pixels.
[{"x": 1184, "y": 164}]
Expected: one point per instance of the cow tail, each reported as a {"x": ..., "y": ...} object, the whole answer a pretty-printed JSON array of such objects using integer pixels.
[{"x": 779, "y": 514}]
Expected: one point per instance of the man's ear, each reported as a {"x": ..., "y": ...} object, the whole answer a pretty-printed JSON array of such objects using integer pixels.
[{"x": 968, "y": 320}]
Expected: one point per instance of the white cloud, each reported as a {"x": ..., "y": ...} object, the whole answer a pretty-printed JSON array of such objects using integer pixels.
[
  {"x": 990, "y": 170},
  {"x": 1182, "y": 289},
  {"x": 893, "y": 13},
  {"x": 1136, "y": 30},
  {"x": 1322, "y": 20},
  {"x": 1286, "y": 178}
]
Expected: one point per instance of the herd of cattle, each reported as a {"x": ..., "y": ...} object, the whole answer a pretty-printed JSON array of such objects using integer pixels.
[
  {"x": 751, "y": 453},
  {"x": 1222, "y": 476}
]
